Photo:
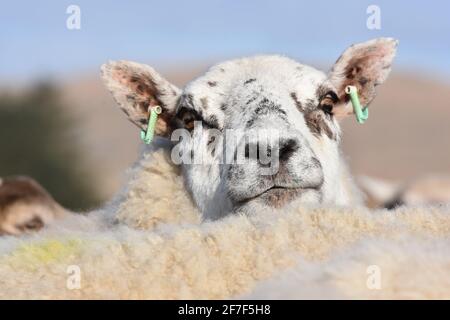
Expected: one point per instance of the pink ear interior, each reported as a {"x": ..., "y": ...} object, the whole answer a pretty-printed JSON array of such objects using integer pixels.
[
  {"x": 365, "y": 66},
  {"x": 136, "y": 88}
]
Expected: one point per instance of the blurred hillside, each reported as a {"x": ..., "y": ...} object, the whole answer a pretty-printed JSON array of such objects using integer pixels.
[
  {"x": 406, "y": 136},
  {"x": 408, "y": 131},
  {"x": 37, "y": 139}
]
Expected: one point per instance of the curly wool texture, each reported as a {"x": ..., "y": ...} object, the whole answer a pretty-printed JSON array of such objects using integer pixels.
[
  {"x": 159, "y": 249},
  {"x": 156, "y": 195}
]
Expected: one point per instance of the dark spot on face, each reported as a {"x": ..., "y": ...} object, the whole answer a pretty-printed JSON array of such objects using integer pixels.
[
  {"x": 298, "y": 104},
  {"x": 287, "y": 149},
  {"x": 189, "y": 100},
  {"x": 213, "y": 122},
  {"x": 251, "y": 100},
  {"x": 212, "y": 83},
  {"x": 249, "y": 81},
  {"x": 143, "y": 121},
  {"x": 317, "y": 124},
  {"x": 310, "y": 105},
  {"x": 222, "y": 69},
  {"x": 265, "y": 107},
  {"x": 204, "y": 102},
  {"x": 223, "y": 107}
]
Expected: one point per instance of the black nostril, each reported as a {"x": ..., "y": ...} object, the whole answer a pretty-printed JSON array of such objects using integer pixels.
[{"x": 287, "y": 148}]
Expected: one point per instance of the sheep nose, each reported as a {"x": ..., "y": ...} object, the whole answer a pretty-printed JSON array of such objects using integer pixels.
[{"x": 287, "y": 148}]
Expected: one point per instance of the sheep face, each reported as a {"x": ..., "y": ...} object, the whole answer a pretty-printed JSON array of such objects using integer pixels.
[
  {"x": 25, "y": 206},
  {"x": 259, "y": 132}
]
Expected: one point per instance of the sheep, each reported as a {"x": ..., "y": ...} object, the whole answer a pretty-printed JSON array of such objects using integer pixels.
[
  {"x": 25, "y": 206},
  {"x": 275, "y": 108},
  {"x": 297, "y": 106},
  {"x": 327, "y": 248},
  {"x": 421, "y": 191}
]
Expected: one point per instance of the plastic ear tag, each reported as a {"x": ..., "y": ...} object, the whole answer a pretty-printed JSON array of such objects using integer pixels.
[
  {"x": 361, "y": 114},
  {"x": 147, "y": 135}
]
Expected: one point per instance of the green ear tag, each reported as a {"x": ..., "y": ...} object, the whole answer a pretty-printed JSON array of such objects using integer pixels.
[
  {"x": 147, "y": 135},
  {"x": 361, "y": 114}
]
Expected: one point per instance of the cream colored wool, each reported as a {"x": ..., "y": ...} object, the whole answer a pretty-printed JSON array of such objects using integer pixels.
[
  {"x": 156, "y": 194},
  {"x": 159, "y": 249}
]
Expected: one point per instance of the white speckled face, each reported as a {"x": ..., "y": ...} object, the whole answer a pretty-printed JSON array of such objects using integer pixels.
[
  {"x": 269, "y": 93},
  {"x": 294, "y": 104}
]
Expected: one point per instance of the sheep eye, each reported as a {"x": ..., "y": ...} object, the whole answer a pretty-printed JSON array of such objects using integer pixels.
[
  {"x": 189, "y": 124},
  {"x": 332, "y": 95},
  {"x": 328, "y": 109},
  {"x": 186, "y": 118},
  {"x": 33, "y": 224},
  {"x": 327, "y": 102}
]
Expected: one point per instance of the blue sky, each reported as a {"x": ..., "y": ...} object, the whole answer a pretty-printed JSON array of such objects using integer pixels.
[{"x": 35, "y": 42}]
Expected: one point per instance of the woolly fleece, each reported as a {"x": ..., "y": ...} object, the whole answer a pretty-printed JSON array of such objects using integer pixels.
[{"x": 151, "y": 243}]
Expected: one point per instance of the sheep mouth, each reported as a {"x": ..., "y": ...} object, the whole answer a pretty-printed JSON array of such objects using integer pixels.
[{"x": 276, "y": 196}]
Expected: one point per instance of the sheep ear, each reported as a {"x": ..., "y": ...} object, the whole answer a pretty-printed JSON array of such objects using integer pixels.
[
  {"x": 364, "y": 65},
  {"x": 137, "y": 87}
]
